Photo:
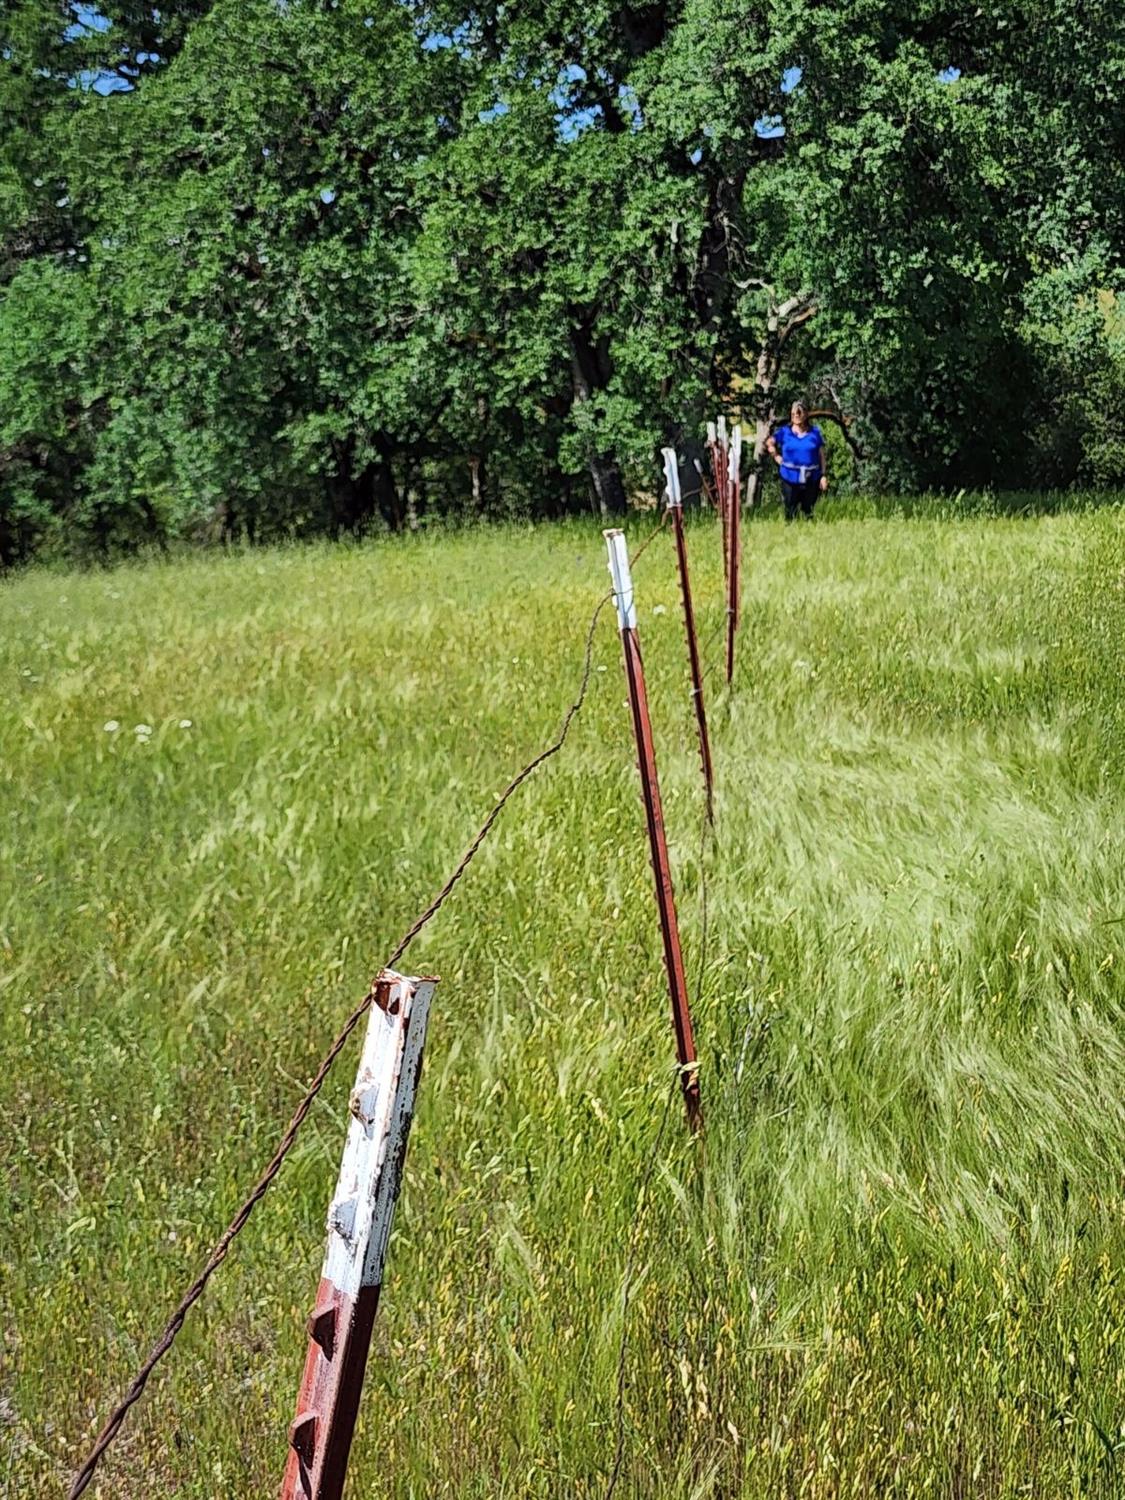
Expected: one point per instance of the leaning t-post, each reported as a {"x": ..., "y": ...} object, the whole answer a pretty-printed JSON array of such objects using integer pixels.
[
  {"x": 676, "y": 506},
  {"x": 654, "y": 817},
  {"x": 359, "y": 1226},
  {"x": 734, "y": 497}
]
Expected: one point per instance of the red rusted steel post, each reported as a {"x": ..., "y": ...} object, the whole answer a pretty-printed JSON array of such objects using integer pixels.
[
  {"x": 654, "y": 817},
  {"x": 734, "y": 501},
  {"x": 359, "y": 1226},
  {"x": 676, "y": 506}
]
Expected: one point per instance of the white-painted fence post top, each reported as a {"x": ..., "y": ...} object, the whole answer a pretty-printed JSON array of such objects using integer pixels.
[
  {"x": 722, "y": 426},
  {"x": 622, "y": 576},
  {"x": 381, "y": 1107},
  {"x": 672, "y": 477},
  {"x": 359, "y": 1228},
  {"x": 735, "y": 460},
  {"x": 712, "y": 434}
]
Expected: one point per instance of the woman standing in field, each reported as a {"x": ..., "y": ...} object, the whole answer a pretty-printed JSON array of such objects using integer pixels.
[{"x": 800, "y": 454}]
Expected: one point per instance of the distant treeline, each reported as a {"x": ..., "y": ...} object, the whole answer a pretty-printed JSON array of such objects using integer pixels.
[{"x": 301, "y": 266}]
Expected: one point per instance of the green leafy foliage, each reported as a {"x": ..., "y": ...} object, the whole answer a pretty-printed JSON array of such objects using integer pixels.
[{"x": 317, "y": 267}]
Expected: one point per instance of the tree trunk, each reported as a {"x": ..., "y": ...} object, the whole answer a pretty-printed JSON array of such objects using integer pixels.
[
  {"x": 609, "y": 487},
  {"x": 416, "y": 500},
  {"x": 782, "y": 320},
  {"x": 591, "y": 368},
  {"x": 765, "y": 414},
  {"x": 351, "y": 492},
  {"x": 478, "y": 470},
  {"x": 387, "y": 499}
]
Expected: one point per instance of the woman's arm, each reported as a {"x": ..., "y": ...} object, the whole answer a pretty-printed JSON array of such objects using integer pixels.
[
  {"x": 771, "y": 449},
  {"x": 823, "y": 465}
]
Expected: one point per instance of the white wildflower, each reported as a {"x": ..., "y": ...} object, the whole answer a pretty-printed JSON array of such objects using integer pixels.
[
  {"x": 111, "y": 726},
  {"x": 185, "y": 723}
]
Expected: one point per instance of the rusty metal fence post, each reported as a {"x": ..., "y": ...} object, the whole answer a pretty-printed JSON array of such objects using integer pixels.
[
  {"x": 654, "y": 817},
  {"x": 676, "y": 506},
  {"x": 734, "y": 540},
  {"x": 359, "y": 1226}
]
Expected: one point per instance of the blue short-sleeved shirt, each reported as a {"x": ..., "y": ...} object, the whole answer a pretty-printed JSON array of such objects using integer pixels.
[{"x": 800, "y": 453}]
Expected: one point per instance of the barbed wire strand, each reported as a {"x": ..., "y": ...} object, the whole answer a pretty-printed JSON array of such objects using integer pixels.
[
  {"x": 648, "y": 541},
  {"x": 222, "y": 1247}
]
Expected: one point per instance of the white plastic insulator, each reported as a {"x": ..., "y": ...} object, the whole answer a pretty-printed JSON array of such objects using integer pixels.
[{"x": 622, "y": 577}]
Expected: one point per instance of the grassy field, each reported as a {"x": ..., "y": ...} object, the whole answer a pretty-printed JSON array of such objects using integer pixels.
[{"x": 898, "y": 1269}]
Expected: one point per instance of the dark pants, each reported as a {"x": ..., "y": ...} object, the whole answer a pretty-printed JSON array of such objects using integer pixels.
[{"x": 799, "y": 499}]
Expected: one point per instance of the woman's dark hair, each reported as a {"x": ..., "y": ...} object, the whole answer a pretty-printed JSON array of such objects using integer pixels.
[{"x": 801, "y": 404}]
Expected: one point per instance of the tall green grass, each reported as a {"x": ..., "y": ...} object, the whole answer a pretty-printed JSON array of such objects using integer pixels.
[{"x": 895, "y": 1266}]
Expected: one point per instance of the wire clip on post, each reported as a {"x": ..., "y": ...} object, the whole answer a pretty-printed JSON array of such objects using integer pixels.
[
  {"x": 676, "y": 506},
  {"x": 359, "y": 1226},
  {"x": 654, "y": 817},
  {"x": 734, "y": 544}
]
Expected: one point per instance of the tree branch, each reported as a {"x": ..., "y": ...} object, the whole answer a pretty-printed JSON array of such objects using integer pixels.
[
  {"x": 794, "y": 323},
  {"x": 844, "y": 424}
]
